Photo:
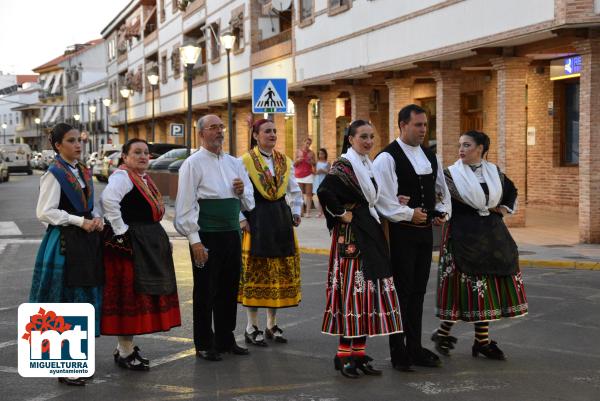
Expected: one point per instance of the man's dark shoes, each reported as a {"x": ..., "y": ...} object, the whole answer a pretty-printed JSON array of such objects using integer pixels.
[
  {"x": 402, "y": 362},
  {"x": 72, "y": 381},
  {"x": 443, "y": 344},
  {"x": 235, "y": 350},
  {"x": 209, "y": 355},
  {"x": 426, "y": 358},
  {"x": 489, "y": 350}
]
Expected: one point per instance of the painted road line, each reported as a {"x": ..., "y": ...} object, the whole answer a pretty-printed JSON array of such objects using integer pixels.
[
  {"x": 8, "y": 344},
  {"x": 9, "y": 228}
]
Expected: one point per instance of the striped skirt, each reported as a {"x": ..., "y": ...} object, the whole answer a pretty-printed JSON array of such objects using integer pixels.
[
  {"x": 476, "y": 298},
  {"x": 48, "y": 280},
  {"x": 355, "y": 306}
]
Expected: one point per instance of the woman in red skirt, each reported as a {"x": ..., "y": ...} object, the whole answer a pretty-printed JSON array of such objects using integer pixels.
[
  {"x": 140, "y": 292},
  {"x": 361, "y": 297}
]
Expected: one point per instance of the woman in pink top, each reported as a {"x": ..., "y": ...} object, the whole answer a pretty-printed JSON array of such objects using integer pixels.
[{"x": 304, "y": 166}]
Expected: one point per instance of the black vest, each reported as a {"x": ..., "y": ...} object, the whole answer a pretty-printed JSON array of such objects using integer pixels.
[
  {"x": 135, "y": 208},
  {"x": 420, "y": 188},
  {"x": 66, "y": 205}
]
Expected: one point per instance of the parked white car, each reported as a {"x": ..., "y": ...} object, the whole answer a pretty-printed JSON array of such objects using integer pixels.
[{"x": 17, "y": 156}]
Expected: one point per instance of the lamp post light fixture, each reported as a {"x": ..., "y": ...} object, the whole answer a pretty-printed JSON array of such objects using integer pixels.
[
  {"x": 38, "y": 121},
  {"x": 228, "y": 40},
  {"x": 125, "y": 92},
  {"x": 189, "y": 56},
  {"x": 4, "y": 129},
  {"x": 92, "y": 108},
  {"x": 153, "y": 80},
  {"x": 107, "y": 102}
]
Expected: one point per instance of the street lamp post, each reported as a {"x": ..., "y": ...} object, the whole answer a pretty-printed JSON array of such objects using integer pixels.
[
  {"x": 153, "y": 80},
  {"x": 107, "y": 102},
  {"x": 4, "y": 128},
  {"x": 227, "y": 41},
  {"x": 189, "y": 56},
  {"x": 125, "y": 92},
  {"x": 76, "y": 117},
  {"x": 92, "y": 109},
  {"x": 37, "y": 121}
]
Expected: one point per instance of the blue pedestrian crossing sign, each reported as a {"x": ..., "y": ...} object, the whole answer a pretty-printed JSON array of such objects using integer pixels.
[{"x": 269, "y": 95}]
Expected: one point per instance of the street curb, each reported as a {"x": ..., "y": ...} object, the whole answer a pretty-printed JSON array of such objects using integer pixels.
[{"x": 531, "y": 263}]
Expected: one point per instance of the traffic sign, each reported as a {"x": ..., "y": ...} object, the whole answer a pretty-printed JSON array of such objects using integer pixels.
[
  {"x": 269, "y": 95},
  {"x": 176, "y": 130}
]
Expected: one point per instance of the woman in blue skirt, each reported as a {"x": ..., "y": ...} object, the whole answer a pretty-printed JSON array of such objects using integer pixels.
[{"x": 68, "y": 267}]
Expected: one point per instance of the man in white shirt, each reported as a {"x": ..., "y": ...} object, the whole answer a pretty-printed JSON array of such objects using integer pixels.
[
  {"x": 213, "y": 188},
  {"x": 413, "y": 196}
]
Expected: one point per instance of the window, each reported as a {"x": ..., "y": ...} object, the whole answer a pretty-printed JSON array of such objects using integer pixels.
[
  {"x": 163, "y": 68},
  {"x": 306, "y": 9},
  {"x": 215, "y": 45},
  {"x": 338, "y": 6},
  {"x": 570, "y": 137},
  {"x": 237, "y": 28},
  {"x": 161, "y": 11}
]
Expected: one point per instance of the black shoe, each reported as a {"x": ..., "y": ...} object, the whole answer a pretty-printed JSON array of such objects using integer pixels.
[
  {"x": 346, "y": 367},
  {"x": 235, "y": 350},
  {"x": 401, "y": 361},
  {"x": 72, "y": 381},
  {"x": 443, "y": 344},
  {"x": 209, "y": 355},
  {"x": 138, "y": 356},
  {"x": 251, "y": 337},
  {"x": 426, "y": 358},
  {"x": 132, "y": 362},
  {"x": 489, "y": 350},
  {"x": 275, "y": 333},
  {"x": 362, "y": 363}
]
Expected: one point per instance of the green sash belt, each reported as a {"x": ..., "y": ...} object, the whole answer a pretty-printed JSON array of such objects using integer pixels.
[{"x": 217, "y": 215}]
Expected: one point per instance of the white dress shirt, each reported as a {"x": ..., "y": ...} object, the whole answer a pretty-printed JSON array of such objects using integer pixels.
[
  {"x": 205, "y": 175},
  {"x": 385, "y": 167},
  {"x": 47, "y": 210},
  {"x": 293, "y": 192},
  {"x": 119, "y": 185}
]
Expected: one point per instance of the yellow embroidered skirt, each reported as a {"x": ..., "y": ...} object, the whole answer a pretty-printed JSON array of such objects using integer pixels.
[{"x": 269, "y": 282}]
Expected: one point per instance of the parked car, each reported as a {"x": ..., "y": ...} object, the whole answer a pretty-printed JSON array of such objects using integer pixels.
[
  {"x": 35, "y": 160},
  {"x": 92, "y": 159},
  {"x": 47, "y": 157},
  {"x": 100, "y": 169},
  {"x": 17, "y": 157},
  {"x": 158, "y": 149},
  {"x": 175, "y": 166},
  {"x": 110, "y": 164},
  {"x": 163, "y": 162},
  {"x": 3, "y": 167}
]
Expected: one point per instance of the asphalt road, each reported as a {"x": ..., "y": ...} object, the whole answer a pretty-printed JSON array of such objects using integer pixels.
[{"x": 553, "y": 353}]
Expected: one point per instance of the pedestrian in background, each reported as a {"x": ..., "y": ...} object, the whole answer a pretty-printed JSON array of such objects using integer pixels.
[
  {"x": 270, "y": 259},
  {"x": 321, "y": 171},
  {"x": 479, "y": 278},
  {"x": 140, "y": 291},
  {"x": 408, "y": 169},
  {"x": 68, "y": 266},
  {"x": 361, "y": 296},
  {"x": 304, "y": 166},
  {"x": 213, "y": 188}
]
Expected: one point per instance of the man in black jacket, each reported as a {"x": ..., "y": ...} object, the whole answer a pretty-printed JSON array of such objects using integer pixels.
[{"x": 413, "y": 196}]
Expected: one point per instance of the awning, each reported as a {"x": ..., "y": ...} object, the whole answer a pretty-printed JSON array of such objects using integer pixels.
[
  {"x": 57, "y": 83},
  {"x": 57, "y": 112},
  {"x": 48, "y": 81},
  {"x": 48, "y": 112}
]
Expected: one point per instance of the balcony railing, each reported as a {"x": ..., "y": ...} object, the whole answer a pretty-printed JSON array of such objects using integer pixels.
[{"x": 275, "y": 40}]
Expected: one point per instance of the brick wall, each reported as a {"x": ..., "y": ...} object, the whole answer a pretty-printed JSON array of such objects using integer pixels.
[{"x": 548, "y": 183}]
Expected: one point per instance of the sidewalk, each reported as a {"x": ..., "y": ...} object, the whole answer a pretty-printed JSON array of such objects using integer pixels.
[{"x": 549, "y": 240}]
